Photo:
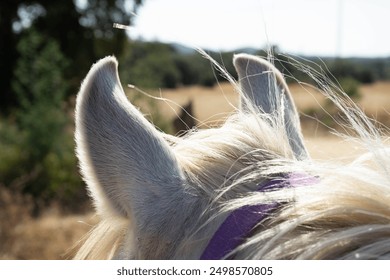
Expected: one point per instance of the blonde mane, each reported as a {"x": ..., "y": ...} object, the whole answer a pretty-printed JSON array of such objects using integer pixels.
[{"x": 345, "y": 215}]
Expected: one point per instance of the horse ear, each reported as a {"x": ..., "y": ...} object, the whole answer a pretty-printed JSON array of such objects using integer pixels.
[
  {"x": 125, "y": 161},
  {"x": 264, "y": 89}
]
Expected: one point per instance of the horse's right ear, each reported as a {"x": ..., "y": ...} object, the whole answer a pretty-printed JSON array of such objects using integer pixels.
[
  {"x": 264, "y": 89},
  {"x": 128, "y": 166}
]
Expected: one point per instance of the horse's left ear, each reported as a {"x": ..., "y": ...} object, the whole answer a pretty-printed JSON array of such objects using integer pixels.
[
  {"x": 128, "y": 166},
  {"x": 265, "y": 89}
]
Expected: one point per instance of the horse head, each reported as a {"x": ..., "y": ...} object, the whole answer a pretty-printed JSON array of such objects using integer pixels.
[{"x": 164, "y": 197}]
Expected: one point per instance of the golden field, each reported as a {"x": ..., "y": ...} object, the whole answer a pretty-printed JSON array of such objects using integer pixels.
[
  {"x": 52, "y": 235},
  {"x": 212, "y": 105}
]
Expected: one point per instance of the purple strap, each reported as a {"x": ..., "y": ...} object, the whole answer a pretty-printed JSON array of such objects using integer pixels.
[{"x": 239, "y": 224}]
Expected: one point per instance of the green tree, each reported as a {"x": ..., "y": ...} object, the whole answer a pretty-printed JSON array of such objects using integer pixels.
[
  {"x": 351, "y": 87},
  {"x": 150, "y": 65},
  {"x": 44, "y": 160},
  {"x": 83, "y": 30}
]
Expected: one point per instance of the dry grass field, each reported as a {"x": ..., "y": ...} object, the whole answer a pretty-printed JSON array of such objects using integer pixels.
[
  {"x": 50, "y": 236},
  {"x": 212, "y": 105}
]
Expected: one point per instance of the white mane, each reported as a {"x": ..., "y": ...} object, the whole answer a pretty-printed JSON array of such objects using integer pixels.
[{"x": 162, "y": 197}]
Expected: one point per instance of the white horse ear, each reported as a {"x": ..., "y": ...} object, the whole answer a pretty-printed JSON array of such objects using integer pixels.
[
  {"x": 265, "y": 89},
  {"x": 124, "y": 160}
]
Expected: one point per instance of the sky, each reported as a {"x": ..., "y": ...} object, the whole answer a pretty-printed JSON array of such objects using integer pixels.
[{"x": 305, "y": 27}]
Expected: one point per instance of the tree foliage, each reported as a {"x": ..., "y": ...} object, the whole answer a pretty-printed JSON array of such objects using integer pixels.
[
  {"x": 40, "y": 158},
  {"x": 149, "y": 65},
  {"x": 83, "y": 30}
]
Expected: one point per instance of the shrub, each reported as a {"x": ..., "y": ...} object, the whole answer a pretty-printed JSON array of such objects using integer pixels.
[
  {"x": 351, "y": 87},
  {"x": 149, "y": 65}
]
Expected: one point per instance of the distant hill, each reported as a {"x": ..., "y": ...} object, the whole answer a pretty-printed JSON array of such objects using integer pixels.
[
  {"x": 185, "y": 50},
  {"x": 182, "y": 49},
  {"x": 247, "y": 50},
  {"x": 162, "y": 65}
]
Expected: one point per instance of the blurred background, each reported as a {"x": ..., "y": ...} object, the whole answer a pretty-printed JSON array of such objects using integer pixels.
[{"x": 47, "y": 48}]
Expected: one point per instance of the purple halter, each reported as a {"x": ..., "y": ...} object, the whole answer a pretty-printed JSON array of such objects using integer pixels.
[{"x": 239, "y": 224}]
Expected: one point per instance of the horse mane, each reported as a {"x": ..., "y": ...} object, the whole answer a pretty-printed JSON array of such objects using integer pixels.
[{"x": 345, "y": 215}]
